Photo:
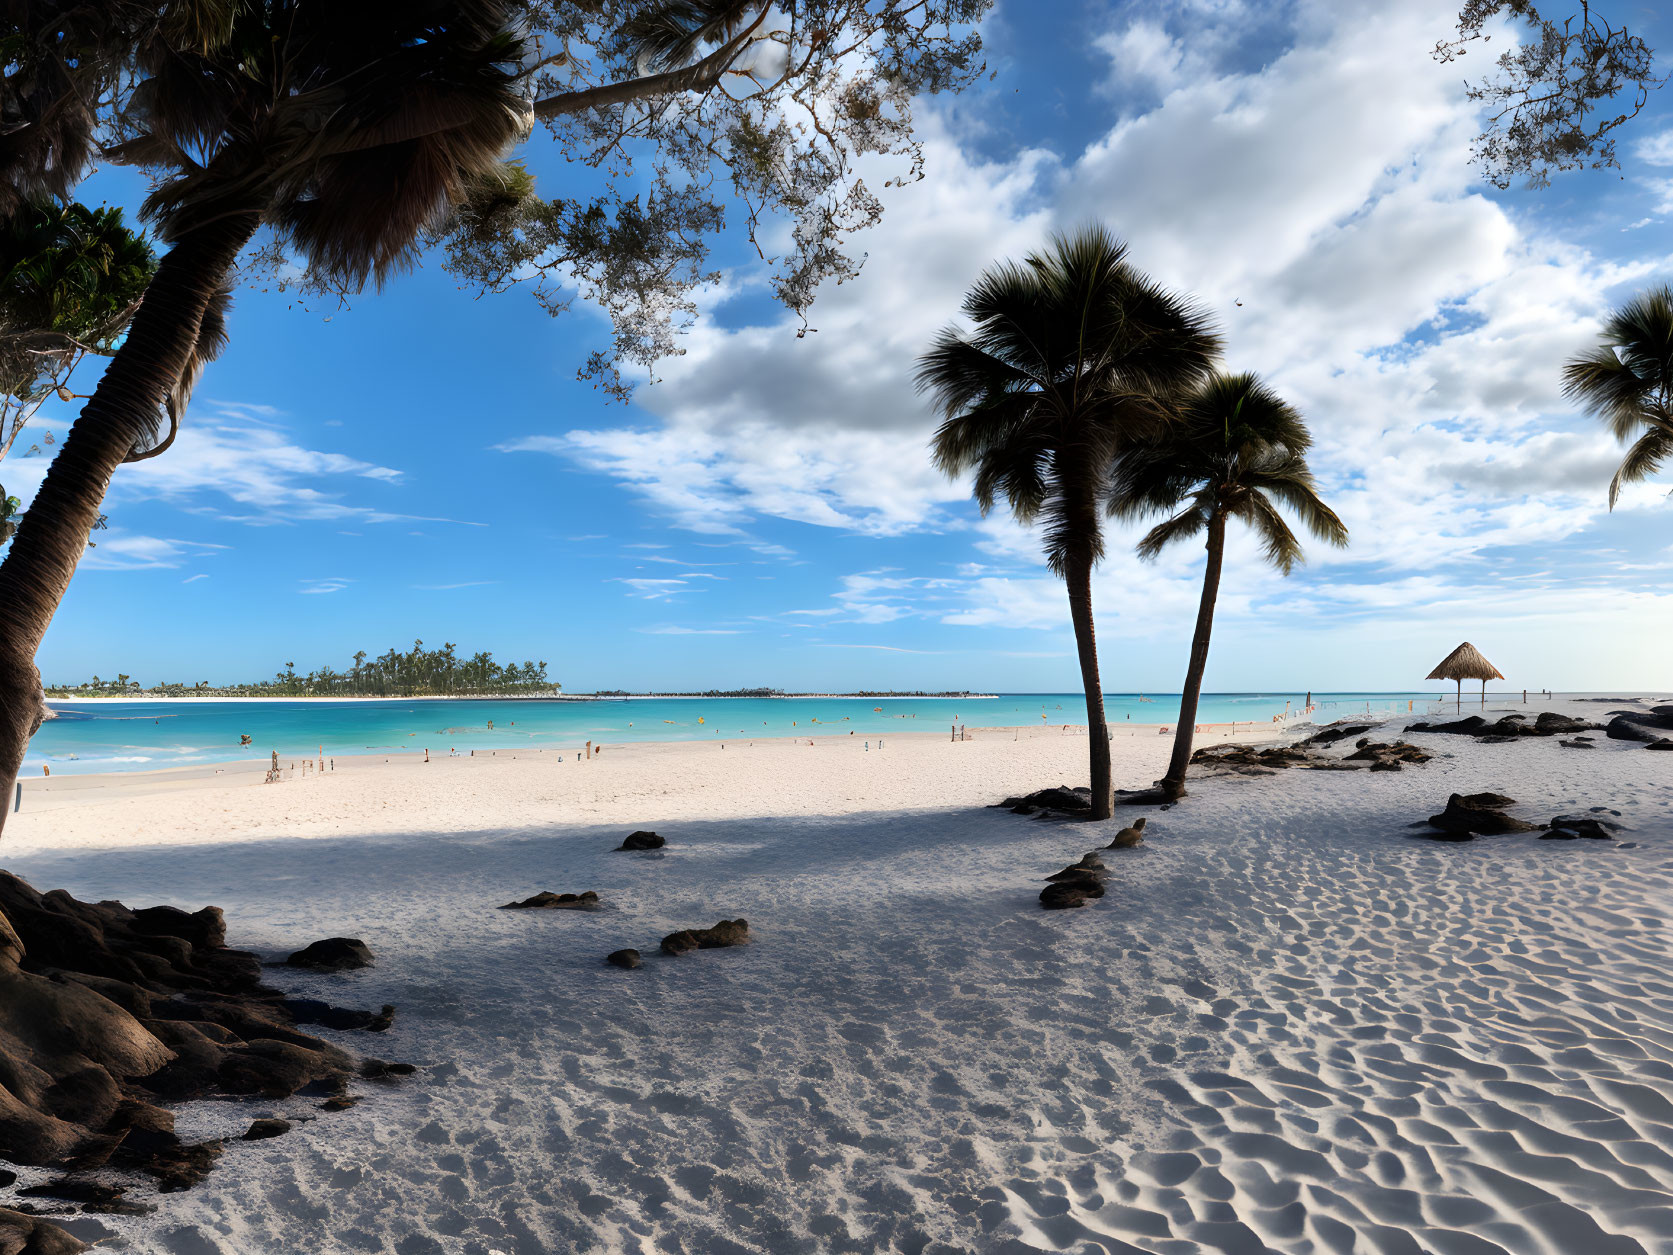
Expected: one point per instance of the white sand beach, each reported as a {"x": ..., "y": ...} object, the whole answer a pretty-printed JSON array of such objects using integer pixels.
[{"x": 1289, "y": 1026}]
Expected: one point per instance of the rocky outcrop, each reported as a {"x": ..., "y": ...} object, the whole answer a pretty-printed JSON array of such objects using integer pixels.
[
  {"x": 641, "y": 841},
  {"x": 334, "y": 954},
  {"x": 22, "y": 1234},
  {"x": 1509, "y": 727},
  {"x": 729, "y": 932},
  {"x": 1648, "y": 726},
  {"x": 1128, "y": 838},
  {"x": 1075, "y": 802},
  {"x": 107, "y": 1014},
  {"x": 628, "y": 959},
  {"x": 1336, "y": 732},
  {"x": 1247, "y": 760},
  {"x": 1478, "y": 814},
  {"x": 1076, "y": 884},
  {"x": 545, "y": 900},
  {"x": 1592, "y": 826}
]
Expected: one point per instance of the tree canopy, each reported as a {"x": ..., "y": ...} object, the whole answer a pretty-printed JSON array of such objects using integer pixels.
[
  {"x": 1559, "y": 95},
  {"x": 668, "y": 111},
  {"x": 70, "y": 280}
]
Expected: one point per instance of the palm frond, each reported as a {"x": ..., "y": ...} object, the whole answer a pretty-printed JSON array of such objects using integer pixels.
[
  {"x": 1070, "y": 355},
  {"x": 1643, "y": 459},
  {"x": 1182, "y": 526},
  {"x": 670, "y": 35},
  {"x": 1279, "y": 545}
]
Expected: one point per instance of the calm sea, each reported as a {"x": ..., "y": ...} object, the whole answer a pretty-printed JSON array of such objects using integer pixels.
[{"x": 146, "y": 736}]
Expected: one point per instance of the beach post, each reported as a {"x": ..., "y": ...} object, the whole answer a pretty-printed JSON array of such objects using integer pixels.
[{"x": 589, "y": 750}]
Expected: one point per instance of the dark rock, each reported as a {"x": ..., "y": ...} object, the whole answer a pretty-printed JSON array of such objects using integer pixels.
[
  {"x": 1664, "y": 744},
  {"x": 1550, "y": 723},
  {"x": 340, "y": 1102},
  {"x": 628, "y": 959},
  {"x": 23, "y": 1234},
  {"x": 1477, "y": 815},
  {"x": 75, "y": 1190},
  {"x": 1089, "y": 865},
  {"x": 641, "y": 841},
  {"x": 545, "y": 900},
  {"x": 1486, "y": 801},
  {"x": 1579, "y": 743},
  {"x": 334, "y": 954},
  {"x": 729, "y": 932},
  {"x": 1076, "y": 801},
  {"x": 1129, "y": 837},
  {"x": 1471, "y": 725},
  {"x": 312, "y": 1011},
  {"x": 1336, "y": 732},
  {"x": 1584, "y": 826},
  {"x": 1070, "y": 893},
  {"x": 269, "y": 1126},
  {"x": 379, "y": 1070},
  {"x": 1647, "y": 726},
  {"x": 106, "y": 1012}
]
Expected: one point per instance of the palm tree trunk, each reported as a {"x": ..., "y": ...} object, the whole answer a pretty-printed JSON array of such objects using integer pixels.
[
  {"x": 53, "y": 535},
  {"x": 1173, "y": 784},
  {"x": 1078, "y": 575}
]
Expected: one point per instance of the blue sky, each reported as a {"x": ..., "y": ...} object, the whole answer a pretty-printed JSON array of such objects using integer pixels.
[{"x": 424, "y": 463}]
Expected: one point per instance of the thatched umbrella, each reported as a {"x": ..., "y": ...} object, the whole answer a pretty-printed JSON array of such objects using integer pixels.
[{"x": 1466, "y": 663}]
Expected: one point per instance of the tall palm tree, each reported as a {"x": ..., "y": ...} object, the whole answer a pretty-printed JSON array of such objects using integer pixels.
[
  {"x": 1626, "y": 382},
  {"x": 1071, "y": 354},
  {"x": 347, "y": 129},
  {"x": 1234, "y": 451}
]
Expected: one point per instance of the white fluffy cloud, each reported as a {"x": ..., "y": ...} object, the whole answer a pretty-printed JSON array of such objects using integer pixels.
[{"x": 1322, "y": 204}]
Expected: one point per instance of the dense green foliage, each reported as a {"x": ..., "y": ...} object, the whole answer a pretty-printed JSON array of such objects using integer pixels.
[{"x": 417, "y": 672}]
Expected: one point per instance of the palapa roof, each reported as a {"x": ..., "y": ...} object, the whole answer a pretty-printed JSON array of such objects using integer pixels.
[{"x": 1465, "y": 663}]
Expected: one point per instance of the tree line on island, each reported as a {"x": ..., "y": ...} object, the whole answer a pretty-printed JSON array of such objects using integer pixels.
[{"x": 418, "y": 672}]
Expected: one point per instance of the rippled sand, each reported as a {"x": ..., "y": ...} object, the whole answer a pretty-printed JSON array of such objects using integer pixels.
[{"x": 1289, "y": 1026}]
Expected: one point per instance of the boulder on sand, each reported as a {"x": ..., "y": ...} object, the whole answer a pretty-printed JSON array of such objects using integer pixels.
[
  {"x": 334, "y": 954},
  {"x": 545, "y": 900},
  {"x": 1089, "y": 863},
  {"x": 22, "y": 1234},
  {"x": 1070, "y": 801},
  {"x": 1478, "y": 814},
  {"x": 107, "y": 1013},
  {"x": 729, "y": 932},
  {"x": 1064, "y": 894},
  {"x": 1128, "y": 838},
  {"x": 641, "y": 841}
]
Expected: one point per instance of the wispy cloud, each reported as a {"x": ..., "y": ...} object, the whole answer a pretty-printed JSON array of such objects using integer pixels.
[
  {"x": 125, "y": 551},
  {"x": 889, "y": 649},
  {"x": 688, "y": 631},
  {"x": 324, "y": 586}
]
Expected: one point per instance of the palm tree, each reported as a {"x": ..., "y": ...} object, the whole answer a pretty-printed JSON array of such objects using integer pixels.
[
  {"x": 1626, "y": 382},
  {"x": 1072, "y": 354},
  {"x": 346, "y": 129},
  {"x": 1235, "y": 450}
]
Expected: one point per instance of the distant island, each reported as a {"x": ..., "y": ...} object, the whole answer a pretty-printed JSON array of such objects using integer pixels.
[{"x": 418, "y": 672}]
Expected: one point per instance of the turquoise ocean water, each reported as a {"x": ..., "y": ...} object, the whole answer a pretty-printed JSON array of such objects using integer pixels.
[{"x": 147, "y": 736}]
